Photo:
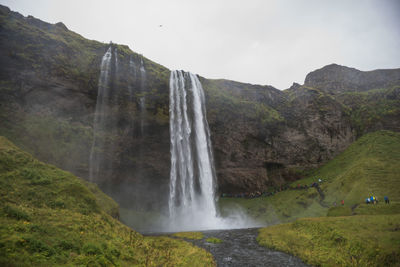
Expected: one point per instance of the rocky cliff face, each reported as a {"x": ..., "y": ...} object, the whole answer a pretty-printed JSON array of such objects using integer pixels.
[
  {"x": 335, "y": 79},
  {"x": 49, "y": 82},
  {"x": 262, "y": 136},
  {"x": 278, "y": 134}
]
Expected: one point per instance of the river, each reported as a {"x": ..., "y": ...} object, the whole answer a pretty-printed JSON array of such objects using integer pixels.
[{"x": 239, "y": 247}]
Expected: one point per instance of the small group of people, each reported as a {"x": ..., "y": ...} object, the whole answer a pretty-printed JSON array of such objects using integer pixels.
[
  {"x": 341, "y": 202},
  {"x": 374, "y": 200},
  {"x": 371, "y": 200}
]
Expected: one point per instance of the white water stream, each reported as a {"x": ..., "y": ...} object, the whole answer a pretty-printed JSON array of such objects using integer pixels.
[
  {"x": 100, "y": 116},
  {"x": 192, "y": 201}
]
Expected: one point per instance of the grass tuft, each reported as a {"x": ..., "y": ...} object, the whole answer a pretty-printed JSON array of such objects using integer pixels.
[
  {"x": 214, "y": 240},
  {"x": 189, "y": 235}
]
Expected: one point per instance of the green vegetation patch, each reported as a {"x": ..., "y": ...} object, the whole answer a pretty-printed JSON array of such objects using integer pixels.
[
  {"x": 381, "y": 208},
  {"x": 371, "y": 107},
  {"x": 284, "y": 206},
  {"x": 16, "y": 213},
  {"x": 369, "y": 167},
  {"x": 339, "y": 211},
  {"x": 56, "y": 140},
  {"x": 338, "y": 241},
  {"x": 189, "y": 235},
  {"x": 48, "y": 217},
  {"x": 223, "y": 103},
  {"x": 214, "y": 240}
]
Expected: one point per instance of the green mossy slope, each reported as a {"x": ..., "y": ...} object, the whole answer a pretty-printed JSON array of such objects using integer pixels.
[
  {"x": 284, "y": 206},
  {"x": 48, "y": 217},
  {"x": 370, "y": 166},
  {"x": 355, "y": 234},
  {"x": 339, "y": 241},
  {"x": 225, "y": 103},
  {"x": 372, "y": 107}
]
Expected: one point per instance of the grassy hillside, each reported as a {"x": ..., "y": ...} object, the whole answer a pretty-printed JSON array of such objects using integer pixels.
[
  {"x": 49, "y": 217},
  {"x": 370, "y": 166},
  {"x": 355, "y": 234},
  {"x": 284, "y": 206},
  {"x": 361, "y": 240}
]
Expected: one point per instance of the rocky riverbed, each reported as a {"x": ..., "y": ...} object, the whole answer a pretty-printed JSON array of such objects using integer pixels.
[{"x": 239, "y": 247}]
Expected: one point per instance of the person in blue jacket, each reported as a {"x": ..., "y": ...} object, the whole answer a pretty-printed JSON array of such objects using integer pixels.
[{"x": 386, "y": 200}]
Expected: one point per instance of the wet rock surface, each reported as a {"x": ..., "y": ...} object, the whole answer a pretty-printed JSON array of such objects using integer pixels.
[{"x": 239, "y": 247}]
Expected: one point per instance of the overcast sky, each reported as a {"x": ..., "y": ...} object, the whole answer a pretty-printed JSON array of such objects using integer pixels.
[{"x": 255, "y": 41}]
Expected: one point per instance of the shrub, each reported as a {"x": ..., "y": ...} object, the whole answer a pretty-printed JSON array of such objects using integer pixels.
[
  {"x": 30, "y": 174},
  {"x": 36, "y": 176},
  {"x": 34, "y": 228},
  {"x": 16, "y": 213},
  {"x": 41, "y": 181},
  {"x": 91, "y": 249},
  {"x": 57, "y": 204},
  {"x": 68, "y": 245},
  {"x": 35, "y": 245},
  {"x": 115, "y": 252}
]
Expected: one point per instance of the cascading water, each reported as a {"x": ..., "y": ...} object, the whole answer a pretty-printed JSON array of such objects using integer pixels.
[
  {"x": 131, "y": 83},
  {"x": 116, "y": 60},
  {"x": 192, "y": 201},
  {"x": 100, "y": 116},
  {"x": 132, "y": 69},
  {"x": 192, "y": 176},
  {"x": 142, "y": 100},
  {"x": 138, "y": 80}
]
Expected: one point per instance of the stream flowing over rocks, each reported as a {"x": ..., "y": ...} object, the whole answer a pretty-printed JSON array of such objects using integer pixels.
[{"x": 239, "y": 247}]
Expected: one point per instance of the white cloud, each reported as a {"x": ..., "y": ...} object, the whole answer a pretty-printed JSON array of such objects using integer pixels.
[{"x": 255, "y": 41}]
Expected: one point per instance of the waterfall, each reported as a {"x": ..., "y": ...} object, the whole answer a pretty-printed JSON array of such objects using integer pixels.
[
  {"x": 192, "y": 175},
  {"x": 132, "y": 69},
  {"x": 142, "y": 100},
  {"x": 97, "y": 162},
  {"x": 116, "y": 60},
  {"x": 138, "y": 79}
]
